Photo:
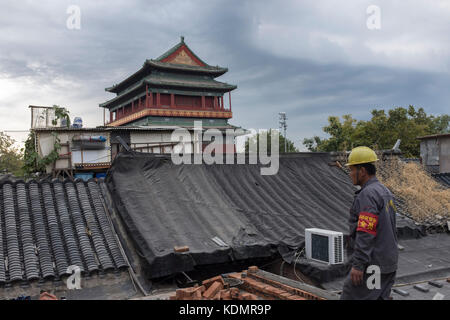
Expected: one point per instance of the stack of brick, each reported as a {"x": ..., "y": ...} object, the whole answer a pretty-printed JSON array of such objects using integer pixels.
[
  {"x": 212, "y": 289},
  {"x": 253, "y": 287},
  {"x": 268, "y": 289}
]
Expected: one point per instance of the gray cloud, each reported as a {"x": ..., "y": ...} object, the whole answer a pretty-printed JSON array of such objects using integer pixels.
[{"x": 310, "y": 59}]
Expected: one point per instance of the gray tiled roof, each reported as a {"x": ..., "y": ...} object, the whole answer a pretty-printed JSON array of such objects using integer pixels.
[
  {"x": 47, "y": 226},
  {"x": 443, "y": 178}
]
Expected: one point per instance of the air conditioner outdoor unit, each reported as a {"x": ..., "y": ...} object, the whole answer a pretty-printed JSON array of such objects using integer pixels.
[{"x": 324, "y": 245}]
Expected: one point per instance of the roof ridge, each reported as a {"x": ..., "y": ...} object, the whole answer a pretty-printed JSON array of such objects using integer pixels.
[{"x": 175, "y": 48}]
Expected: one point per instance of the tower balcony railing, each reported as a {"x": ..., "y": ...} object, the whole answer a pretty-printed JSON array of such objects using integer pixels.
[{"x": 139, "y": 111}]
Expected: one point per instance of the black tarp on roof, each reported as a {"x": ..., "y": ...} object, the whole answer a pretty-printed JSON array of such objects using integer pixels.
[{"x": 165, "y": 205}]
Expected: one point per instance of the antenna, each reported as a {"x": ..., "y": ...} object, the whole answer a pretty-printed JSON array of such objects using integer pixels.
[{"x": 283, "y": 126}]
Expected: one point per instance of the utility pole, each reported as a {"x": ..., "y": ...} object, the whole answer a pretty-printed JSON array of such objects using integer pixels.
[{"x": 283, "y": 126}]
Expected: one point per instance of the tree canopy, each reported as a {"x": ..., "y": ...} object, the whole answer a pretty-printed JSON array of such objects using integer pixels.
[
  {"x": 10, "y": 156},
  {"x": 255, "y": 139},
  {"x": 381, "y": 131}
]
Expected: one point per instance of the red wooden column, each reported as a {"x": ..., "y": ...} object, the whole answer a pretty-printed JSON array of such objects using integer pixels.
[
  {"x": 203, "y": 102},
  {"x": 221, "y": 102},
  {"x": 158, "y": 100},
  {"x": 111, "y": 116},
  {"x": 229, "y": 98},
  {"x": 146, "y": 95},
  {"x": 214, "y": 102},
  {"x": 150, "y": 102},
  {"x": 172, "y": 100},
  {"x": 132, "y": 106}
]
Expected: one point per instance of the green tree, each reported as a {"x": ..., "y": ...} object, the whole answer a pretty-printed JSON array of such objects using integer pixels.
[
  {"x": 10, "y": 156},
  {"x": 255, "y": 139},
  {"x": 381, "y": 131},
  {"x": 32, "y": 162}
]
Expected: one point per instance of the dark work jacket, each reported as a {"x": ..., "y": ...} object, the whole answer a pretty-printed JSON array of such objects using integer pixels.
[{"x": 373, "y": 232}]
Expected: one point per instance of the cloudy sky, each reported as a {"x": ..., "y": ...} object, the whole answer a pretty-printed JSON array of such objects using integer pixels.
[{"x": 310, "y": 59}]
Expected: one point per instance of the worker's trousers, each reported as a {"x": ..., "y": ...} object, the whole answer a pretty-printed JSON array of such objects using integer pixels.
[{"x": 362, "y": 292}]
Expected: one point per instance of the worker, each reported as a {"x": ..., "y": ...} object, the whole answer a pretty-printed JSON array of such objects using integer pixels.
[{"x": 372, "y": 237}]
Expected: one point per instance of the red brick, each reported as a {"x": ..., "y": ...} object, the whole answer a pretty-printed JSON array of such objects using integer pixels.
[
  {"x": 218, "y": 295},
  {"x": 285, "y": 295},
  {"x": 202, "y": 289},
  {"x": 208, "y": 282},
  {"x": 276, "y": 290},
  {"x": 234, "y": 293},
  {"x": 252, "y": 269},
  {"x": 180, "y": 294},
  {"x": 225, "y": 295},
  {"x": 197, "y": 295},
  {"x": 235, "y": 275},
  {"x": 181, "y": 249},
  {"x": 212, "y": 290},
  {"x": 249, "y": 296}
]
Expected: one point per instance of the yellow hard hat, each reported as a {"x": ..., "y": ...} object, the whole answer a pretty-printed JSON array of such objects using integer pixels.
[{"x": 361, "y": 155}]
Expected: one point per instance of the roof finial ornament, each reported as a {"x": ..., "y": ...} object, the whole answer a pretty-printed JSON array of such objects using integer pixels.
[{"x": 182, "y": 39}]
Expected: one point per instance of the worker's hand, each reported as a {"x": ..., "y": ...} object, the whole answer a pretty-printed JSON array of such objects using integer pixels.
[{"x": 356, "y": 276}]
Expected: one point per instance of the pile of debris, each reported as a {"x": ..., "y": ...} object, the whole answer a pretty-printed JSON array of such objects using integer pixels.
[
  {"x": 420, "y": 196},
  {"x": 247, "y": 285}
]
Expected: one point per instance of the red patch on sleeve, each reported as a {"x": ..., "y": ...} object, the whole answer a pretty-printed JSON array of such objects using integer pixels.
[{"x": 367, "y": 222}]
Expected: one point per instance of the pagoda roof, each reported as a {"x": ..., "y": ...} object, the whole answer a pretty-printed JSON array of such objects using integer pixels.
[
  {"x": 180, "y": 58},
  {"x": 185, "y": 82},
  {"x": 173, "y": 81}
]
